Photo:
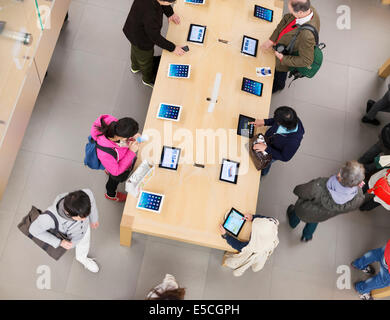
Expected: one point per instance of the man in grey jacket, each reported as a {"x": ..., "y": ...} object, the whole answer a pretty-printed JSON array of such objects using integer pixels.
[
  {"x": 325, "y": 198},
  {"x": 75, "y": 212}
]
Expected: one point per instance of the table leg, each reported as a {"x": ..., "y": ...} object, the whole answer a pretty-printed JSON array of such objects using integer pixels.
[
  {"x": 126, "y": 231},
  {"x": 384, "y": 71}
]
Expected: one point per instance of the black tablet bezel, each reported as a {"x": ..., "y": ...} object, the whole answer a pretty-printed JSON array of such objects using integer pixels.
[
  {"x": 195, "y": 3},
  {"x": 254, "y": 13},
  {"x": 236, "y": 177},
  {"x": 250, "y": 119},
  {"x": 189, "y": 33},
  {"x": 242, "y": 46},
  {"x": 223, "y": 225},
  {"x": 242, "y": 86},
  {"x": 162, "y": 156}
]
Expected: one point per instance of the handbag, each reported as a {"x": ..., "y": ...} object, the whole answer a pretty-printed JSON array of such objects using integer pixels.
[
  {"x": 24, "y": 226},
  {"x": 259, "y": 159},
  {"x": 381, "y": 189}
]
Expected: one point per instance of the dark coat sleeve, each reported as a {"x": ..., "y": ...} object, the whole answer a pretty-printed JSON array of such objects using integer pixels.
[
  {"x": 168, "y": 10},
  {"x": 235, "y": 243},
  {"x": 285, "y": 154},
  {"x": 154, "y": 33}
]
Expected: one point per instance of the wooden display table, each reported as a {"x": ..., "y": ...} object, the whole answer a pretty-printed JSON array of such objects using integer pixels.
[{"x": 195, "y": 200}]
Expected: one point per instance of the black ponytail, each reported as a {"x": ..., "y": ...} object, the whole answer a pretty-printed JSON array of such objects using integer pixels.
[{"x": 125, "y": 128}]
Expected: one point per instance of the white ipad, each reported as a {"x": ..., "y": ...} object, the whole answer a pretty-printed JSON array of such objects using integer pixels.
[
  {"x": 179, "y": 70},
  {"x": 150, "y": 201},
  {"x": 169, "y": 111}
]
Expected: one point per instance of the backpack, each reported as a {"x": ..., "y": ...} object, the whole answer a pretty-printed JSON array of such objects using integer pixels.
[
  {"x": 311, "y": 71},
  {"x": 381, "y": 189},
  {"x": 24, "y": 226},
  {"x": 91, "y": 159}
]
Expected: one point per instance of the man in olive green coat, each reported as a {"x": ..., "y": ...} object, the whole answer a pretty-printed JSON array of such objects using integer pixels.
[{"x": 301, "y": 12}]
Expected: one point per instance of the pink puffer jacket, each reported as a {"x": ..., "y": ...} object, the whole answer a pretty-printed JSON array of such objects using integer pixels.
[{"x": 125, "y": 156}]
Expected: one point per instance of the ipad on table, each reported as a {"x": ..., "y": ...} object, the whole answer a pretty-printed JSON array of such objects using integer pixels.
[
  {"x": 244, "y": 128},
  {"x": 234, "y": 222},
  {"x": 252, "y": 86},
  {"x": 263, "y": 13},
  {"x": 196, "y": 34},
  {"x": 168, "y": 111},
  {"x": 229, "y": 171},
  {"x": 170, "y": 158},
  {"x": 195, "y": 1},
  {"x": 249, "y": 46},
  {"x": 150, "y": 201},
  {"x": 179, "y": 70}
]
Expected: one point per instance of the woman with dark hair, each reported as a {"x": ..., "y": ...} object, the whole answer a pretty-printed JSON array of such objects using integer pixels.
[
  {"x": 120, "y": 135},
  {"x": 167, "y": 290},
  {"x": 283, "y": 138}
]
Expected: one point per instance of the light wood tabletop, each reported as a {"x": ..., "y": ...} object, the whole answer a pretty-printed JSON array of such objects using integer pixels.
[{"x": 195, "y": 199}]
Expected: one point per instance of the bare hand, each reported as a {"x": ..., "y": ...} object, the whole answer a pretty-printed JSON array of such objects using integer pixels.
[
  {"x": 66, "y": 244},
  {"x": 222, "y": 230},
  {"x": 279, "y": 55},
  {"x": 258, "y": 123},
  {"x": 179, "y": 51},
  {"x": 133, "y": 146},
  {"x": 248, "y": 217},
  {"x": 267, "y": 45},
  {"x": 174, "y": 18},
  {"x": 259, "y": 147},
  {"x": 95, "y": 225}
]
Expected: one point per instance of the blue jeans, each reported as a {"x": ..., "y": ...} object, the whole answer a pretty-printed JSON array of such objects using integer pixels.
[
  {"x": 309, "y": 229},
  {"x": 381, "y": 280},
  {"x": 265, "y": 171}
]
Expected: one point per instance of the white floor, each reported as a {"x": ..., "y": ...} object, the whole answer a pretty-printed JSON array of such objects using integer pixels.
[{"x": 89, "y": 75}]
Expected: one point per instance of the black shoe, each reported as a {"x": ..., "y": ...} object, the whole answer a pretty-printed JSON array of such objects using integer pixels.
[
  {"x": 370, "y": 103},
  {"x": 303, "y": 239},
  {"x": 369, "y": 205},
  {"x": 374, "y": 122},
  {"x": 290, "y": 209},
  {"x": 369, "y": 269}
]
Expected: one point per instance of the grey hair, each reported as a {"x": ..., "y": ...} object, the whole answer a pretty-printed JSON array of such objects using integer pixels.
[{"x": 352, "y": 174}]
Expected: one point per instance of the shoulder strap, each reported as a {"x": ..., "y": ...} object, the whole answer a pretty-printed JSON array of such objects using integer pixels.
[
  {"x": 305, "y": 26},
  {"x": 54, "y": 219},
  {"x": 108, "y": 150}
]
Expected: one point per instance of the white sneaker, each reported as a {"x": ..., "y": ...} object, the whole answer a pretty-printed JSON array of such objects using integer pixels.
[
  {"x": 134, "y": 70},
  {"x": 148, "y": 84},
  {"x": 366, "y": 296},
  {"x": 91, "y": 265}
]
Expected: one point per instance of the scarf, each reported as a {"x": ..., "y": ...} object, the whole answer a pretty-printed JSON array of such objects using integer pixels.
[{"x": 339, "y": 193}]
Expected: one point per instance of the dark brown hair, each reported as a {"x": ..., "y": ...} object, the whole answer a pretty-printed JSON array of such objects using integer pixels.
[
  {"x": 174, "y": 294},
  {"x": 125, "y": 128},
  {"x": 300, "y": 5}
]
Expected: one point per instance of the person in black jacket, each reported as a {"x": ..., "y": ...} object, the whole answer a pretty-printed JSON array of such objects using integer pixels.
[
  {"x": 143, "y": 30},
  {"x": 283, "y": 138},
  {"x": 374, "y": 107}
]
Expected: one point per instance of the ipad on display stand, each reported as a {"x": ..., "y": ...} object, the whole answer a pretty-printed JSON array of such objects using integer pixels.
[
  {"x": 229, "y": 171},
  {"x": 170, "y": 158},
  {"x": 168, "y": 111},
  {"x": 244, "y": 128},
  {"x": 196, "y": 34},
  {"x": 181, "y": 71},
  {"x": 249, "y": 46},
  {"x": 150, "y": 201},
  {"x": 195, "y": 1},
  {"x": 263, "y": 13}
]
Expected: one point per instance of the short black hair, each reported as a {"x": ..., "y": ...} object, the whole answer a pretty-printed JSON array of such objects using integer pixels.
[
  {"x": 77, "y": 204},
  {"x": 300, "y": 5},
  {"x": 125, "y": 128},
  {"x": 286, "y": 117}
]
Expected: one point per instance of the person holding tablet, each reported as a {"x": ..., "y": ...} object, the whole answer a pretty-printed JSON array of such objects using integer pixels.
[
  {"x": 121, "y": 136},
  {"x": 300, "y": 12},
  {"x": 283, "y": 138},
  {"x": 263, "y": 241},
  {"x": 143, "y": 30}
]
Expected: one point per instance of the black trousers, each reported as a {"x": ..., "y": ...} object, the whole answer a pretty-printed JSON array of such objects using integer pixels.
[
  {"x": 279, "y": 81},
  {"x": 381, "y": 105},
  {"x": 114, "y": 181}
]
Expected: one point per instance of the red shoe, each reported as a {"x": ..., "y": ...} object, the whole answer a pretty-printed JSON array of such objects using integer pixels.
[{"x": 120, "y": 197}]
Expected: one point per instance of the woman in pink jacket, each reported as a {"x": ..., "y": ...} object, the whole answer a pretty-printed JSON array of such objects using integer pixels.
[{"x": 120, "y": 135}]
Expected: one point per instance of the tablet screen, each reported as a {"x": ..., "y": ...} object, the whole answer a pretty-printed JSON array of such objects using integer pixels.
[
  {"x": 196, "y": 33},
  {"x": 150, "y": 201},
  {"x": 169, "y": 112},
  {"x": 170, "y": 158},
  {"x": 234, "y": 222},
  {"x": 179, "y": 71},
  {"x": 195, "y": 1},
  {"x": 249, "y": 46},
  {"x": 263, "y": 13},
  {"x": 229, "y": 171},
  {"x": 252, "y": 87},
  {"x": 244, "y": 128}
]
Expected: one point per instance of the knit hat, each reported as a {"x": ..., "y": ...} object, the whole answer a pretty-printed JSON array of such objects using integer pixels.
[{"x": 387, "y": 254}]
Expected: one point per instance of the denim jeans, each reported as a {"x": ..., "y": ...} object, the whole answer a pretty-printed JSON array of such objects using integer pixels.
[
  {"x": 309, "y": 229},
  {"x": 381, "y": 280},
  {"x": 265, "y": 171}
]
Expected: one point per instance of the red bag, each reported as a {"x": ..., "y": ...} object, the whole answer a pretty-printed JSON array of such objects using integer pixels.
[{"x": 382, "y": 189}]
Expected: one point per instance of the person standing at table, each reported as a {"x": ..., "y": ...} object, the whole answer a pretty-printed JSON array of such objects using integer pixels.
[
  {"x": 143, "y": 30},
  {"x": 301, "y": 12},
  {"x": 373, "y": 107}
]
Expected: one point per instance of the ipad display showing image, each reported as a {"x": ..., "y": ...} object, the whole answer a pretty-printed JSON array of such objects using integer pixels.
[
  {"x": 244, "y": 128},
  {"x": 249, "y": 46},
  {"x": 263, "y": 13},
  {"x": 169, "y": 112},
  {"x": 195, "y": 1},
  {"x": 252, "y": 87},
  {"x": 170, "y": 158},
  {"x": 179, "y": 70},
  {"x": 196, "y": 33},
  {"x": 229, "y": 171},
  {"x": 234, "y": 222},
  {"x": 150, "y": 201}
]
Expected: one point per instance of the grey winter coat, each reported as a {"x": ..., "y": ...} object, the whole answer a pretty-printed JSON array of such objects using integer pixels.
[{"x": 315, "y": 203}]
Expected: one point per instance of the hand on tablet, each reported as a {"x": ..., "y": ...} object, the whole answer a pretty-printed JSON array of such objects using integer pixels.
[
  {"x": 179, "y": 51},
  {"x": 174, "y": 18},
  {"x": 258, "y": 123},
  {"x": 248, "y": 217},
  {"x": 222, "y": 229},
  {"x": 267, "y": 45}
]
